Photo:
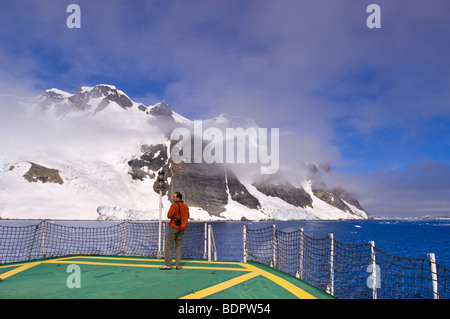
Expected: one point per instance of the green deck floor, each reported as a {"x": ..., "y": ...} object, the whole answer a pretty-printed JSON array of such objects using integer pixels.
[{"x": 137, "y": 277}]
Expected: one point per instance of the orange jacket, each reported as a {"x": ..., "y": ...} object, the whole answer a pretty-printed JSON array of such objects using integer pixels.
[{"x": 174, "y": 213}]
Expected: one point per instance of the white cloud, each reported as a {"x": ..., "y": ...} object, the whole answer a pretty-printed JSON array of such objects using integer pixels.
[{"x": 418, "y": 190}]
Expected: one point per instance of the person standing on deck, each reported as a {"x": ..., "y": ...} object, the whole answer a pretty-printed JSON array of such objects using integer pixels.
[{"x": 179, "y": 215}]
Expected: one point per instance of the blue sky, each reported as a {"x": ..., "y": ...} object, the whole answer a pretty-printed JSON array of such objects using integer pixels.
[{"x": 374, "y": 103}]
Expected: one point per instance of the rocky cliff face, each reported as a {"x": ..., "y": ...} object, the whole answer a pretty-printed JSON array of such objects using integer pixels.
[
  {"x": 208, "y": 186},
  {"x": 212, "y": 186},
  {"x": 296, "y": 196},
  {"x": 338, "y": 198}
]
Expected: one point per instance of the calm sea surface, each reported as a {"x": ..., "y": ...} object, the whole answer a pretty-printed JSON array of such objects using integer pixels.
[{"x": 404, "y": 238}]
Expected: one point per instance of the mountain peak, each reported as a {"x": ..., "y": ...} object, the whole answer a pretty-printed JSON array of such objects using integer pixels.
[
  {"x": 161, "y": 109},
  {"x": 54, "y": 92},
  {"x": 85, "y": 98},
  {"x": 108, "y": 92}
]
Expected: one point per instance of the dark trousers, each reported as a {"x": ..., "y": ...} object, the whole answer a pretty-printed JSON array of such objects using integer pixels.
[{"x": 176, "y": 236}]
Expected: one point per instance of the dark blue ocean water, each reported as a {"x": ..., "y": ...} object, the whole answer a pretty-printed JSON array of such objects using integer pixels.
[{"x": 404, "y": 238}]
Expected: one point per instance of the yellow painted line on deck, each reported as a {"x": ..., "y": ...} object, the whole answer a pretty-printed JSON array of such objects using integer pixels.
[
  {"x": 111, "y": 258},
  {"x": 18, "y": 269},
  {"x": 98, "y": 263},
  {"x": 153, "y": 260},
  {"x": 298, "y": 292},
  {"x": 219, "y": 287},
  {"x": 59, "y": 261},
  {"x": 252, "y": 271}
]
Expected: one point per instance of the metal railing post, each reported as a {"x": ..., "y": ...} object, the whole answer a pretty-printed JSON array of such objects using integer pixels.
[
  {"x": 124, "y": 237},
  {"x": 163, "y": 239},
  {"x": 159, "y": 224},
  {"x": 331, "y": 286},
  {"x": 212, "y": 244},
  {"x": 374, "y": 275},
  {"x": 299, "y": 273},
  {"x": 44, "y": 255},
  {"x": 434, "y": 277},
  {"x": 274, "y": 247},
  {"x": 205, "y": 241},
  {"x": 245, "y": 244},
  {"x": 209, "y": 244}
]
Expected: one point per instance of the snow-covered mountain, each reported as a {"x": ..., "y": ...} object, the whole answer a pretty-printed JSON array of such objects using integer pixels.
[{"x": 95, "y": 154}]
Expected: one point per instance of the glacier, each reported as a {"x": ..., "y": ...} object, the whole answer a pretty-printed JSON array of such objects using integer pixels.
[{"x": 93, "y": 137}]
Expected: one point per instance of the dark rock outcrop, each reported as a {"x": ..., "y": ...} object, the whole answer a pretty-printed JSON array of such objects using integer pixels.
[
  {"x": 336, "y": 197},
  {"x": 239, "y": 192},
  {"x": 151, "y": 160},
  {"x": 110, "y": 94},
  {"x": 161, "y": 109},
  {"x": 203, "y": 185},
  {"x": 40, "y": 173},
  {"x": 295, "y": 196}
]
